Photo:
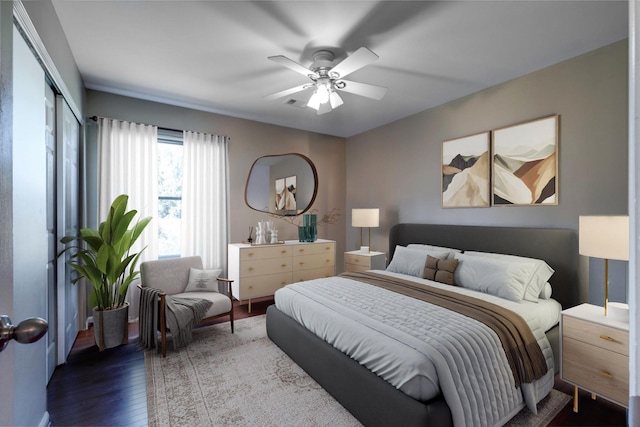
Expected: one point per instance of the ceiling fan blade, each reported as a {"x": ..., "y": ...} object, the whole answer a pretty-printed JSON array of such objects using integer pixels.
[
  {"x": 364, "y": 89},
  {"x": 353, "y": 62},
  {"x": 293, "y": 65},
  {"x": 287, "y": 92}
]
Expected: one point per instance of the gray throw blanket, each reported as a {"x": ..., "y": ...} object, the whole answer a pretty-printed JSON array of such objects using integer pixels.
[{"x": 181, "y": 314}]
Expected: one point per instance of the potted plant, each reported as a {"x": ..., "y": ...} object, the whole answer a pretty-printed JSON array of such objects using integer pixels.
[{"x": 104, "y": 258}]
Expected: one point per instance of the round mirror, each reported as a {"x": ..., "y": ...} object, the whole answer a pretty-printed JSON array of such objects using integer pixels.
[{"x": 284, "y": 184}]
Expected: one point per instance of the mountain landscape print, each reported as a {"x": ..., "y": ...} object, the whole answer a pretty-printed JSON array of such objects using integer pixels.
[
  {"x": 465, "y": 172},
  {"x": 525, "y": 163}
]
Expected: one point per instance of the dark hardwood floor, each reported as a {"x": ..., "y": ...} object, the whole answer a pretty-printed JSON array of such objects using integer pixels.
[{"x": 108, "y": 388}]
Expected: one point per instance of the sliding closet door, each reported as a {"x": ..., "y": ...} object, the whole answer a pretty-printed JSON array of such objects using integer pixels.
[
  {"x": 68, "y": 175},
  {"x": 52, "y": 244}
]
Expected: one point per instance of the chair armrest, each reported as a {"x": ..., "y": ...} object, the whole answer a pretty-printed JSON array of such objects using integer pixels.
[
  {"x": 161, "y": 294},
  {"x": 228, "y": 282}
]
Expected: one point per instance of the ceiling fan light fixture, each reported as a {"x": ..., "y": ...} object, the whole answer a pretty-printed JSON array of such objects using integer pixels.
[
  {"x": 313, "y": 101},
  {"x": 335, "y": 100},
  {"x": 323, "y": 87}
]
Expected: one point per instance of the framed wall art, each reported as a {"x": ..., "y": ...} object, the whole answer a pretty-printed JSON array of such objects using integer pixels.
[
  {"x": 465, "y": 172},
  {"x": 525, "y": 163}
]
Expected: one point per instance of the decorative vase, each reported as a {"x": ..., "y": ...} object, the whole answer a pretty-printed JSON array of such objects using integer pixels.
[
  {"x": 307, "y": 233},
  {"x": 111, "y": 327}
]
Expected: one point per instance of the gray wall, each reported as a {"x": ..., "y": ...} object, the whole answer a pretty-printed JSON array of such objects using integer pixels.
[
  {"x": 396, "y": 167},
  {"x": 249, "y": 141}
]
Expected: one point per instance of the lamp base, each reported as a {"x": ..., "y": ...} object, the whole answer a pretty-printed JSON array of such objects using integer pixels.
[{"x": 618, "y": 311}]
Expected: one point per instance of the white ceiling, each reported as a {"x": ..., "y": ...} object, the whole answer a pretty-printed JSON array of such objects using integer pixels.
[{"x": 212, "y": 55}]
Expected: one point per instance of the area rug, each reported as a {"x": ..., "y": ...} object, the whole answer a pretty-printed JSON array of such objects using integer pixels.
[{"x": 244, "y": 379}]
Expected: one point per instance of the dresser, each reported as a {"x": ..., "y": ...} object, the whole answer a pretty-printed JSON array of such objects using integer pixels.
[
  {"x": 595, "y": 353},
  {"x": 362, "y": 261},
  {"x": 259, "y": 271}
]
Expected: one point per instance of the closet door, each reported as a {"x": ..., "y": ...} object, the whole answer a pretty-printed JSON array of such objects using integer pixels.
[
  {"x": 68, "y": 174},
  {"x": 52, "y": 244}
]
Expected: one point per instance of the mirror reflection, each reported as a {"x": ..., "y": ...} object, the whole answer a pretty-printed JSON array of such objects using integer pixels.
[{"x": 284, "y": 184}]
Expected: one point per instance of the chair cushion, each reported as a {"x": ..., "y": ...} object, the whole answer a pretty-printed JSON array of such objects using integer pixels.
[
  {"x": 169, "y": 275},
  {"x": 203, "y": 280},
  {"x": 221, "y": 302}
]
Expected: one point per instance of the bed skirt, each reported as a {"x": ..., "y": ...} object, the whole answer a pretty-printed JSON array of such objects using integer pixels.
[{"x": 372, "y": 400}]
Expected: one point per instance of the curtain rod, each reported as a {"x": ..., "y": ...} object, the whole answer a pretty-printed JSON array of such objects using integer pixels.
[{"x": 95, "y": 119}]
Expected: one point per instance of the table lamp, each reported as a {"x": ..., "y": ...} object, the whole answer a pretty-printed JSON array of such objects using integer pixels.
[
  {"x": 604, "y": 237},
  {"x": 365, "y": 218}
]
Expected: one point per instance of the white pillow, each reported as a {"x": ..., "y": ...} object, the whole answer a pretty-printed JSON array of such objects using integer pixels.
[
  {"x": 451, "y": 251},
  {"x": 539, "y": 276},
  {"x": 493, "y": 276},
  {"x": 203, "y": 280},
  {"x": 546, "y": 291},
  {"x": 412, "y": 261}
]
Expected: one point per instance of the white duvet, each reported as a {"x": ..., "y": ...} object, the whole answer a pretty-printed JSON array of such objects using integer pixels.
[{"x": 423, "y": 349}]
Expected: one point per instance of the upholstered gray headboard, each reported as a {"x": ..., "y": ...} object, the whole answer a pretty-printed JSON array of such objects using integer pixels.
[{"x": 558, "y": 247}]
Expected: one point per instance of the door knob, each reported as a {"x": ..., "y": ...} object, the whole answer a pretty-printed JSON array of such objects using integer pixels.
[{"x": 28, "y": 331}]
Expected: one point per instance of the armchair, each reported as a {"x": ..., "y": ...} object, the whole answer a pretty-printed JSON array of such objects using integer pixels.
[{"x": 171, "y": 276}]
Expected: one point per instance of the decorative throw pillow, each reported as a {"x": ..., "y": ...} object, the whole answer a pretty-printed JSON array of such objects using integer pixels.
[
  {"x": 203, "y": 280},
  {"x": 504, "y": 279},
  {"x": 411, "y": 261},
  {"x": 451, "y": 251},
  {"x": 440, "y": 270},
  {"x": 539, "y": 275}
]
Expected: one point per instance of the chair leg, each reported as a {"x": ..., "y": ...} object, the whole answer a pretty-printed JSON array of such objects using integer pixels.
[
  {"x": 231, "y": 317},
  {"x": 163, "y": 327}
]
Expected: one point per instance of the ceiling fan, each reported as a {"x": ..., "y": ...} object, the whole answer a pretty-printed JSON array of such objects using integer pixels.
[{"x": 327, "y": 79}]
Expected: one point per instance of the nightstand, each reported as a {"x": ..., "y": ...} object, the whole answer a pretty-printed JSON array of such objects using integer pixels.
[
  {"x": 361, "y": 261},
  {"x": 595, "y": 354}
]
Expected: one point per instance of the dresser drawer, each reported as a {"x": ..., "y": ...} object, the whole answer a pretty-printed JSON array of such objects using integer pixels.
[
  {"x": 315, "y": 273},
  {"x": 306, "y": 262},
  {"x": 255, "y": 287},
  {"x": 596, "y": 369},
  {"x": 315, "y": 248},
  {"x": 265, "y": 252},
  {"x": 261, "y": 267},
  {"x": 602, "y": 336}
]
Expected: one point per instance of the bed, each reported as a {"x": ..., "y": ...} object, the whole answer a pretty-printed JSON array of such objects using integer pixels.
[{"x": 373, "y": 400}]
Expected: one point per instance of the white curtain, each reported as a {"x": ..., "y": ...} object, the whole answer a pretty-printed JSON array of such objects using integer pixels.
[
  {"x": 128, "y": 164},
  {"x": 205, "y": 206}
]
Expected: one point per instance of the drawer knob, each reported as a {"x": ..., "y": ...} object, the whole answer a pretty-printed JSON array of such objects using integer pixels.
[
  {"x": 606, "y": 374},
  {"x": 250, "y": 253},
  {"x": 283, "y": 252},
  {"x": 607, "y": 338},
  {"x": 250, "y": 269}
]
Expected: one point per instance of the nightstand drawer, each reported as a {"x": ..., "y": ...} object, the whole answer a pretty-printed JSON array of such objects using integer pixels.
[
  {"x": 356, "y": 268},
  {"x": 595, "y": 334},
  {"x": 357, "y": 260},
  {"x": 600, "y": 371}
]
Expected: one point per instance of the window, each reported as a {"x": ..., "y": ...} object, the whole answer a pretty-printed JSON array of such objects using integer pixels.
[{"x": 169, "y": 192}]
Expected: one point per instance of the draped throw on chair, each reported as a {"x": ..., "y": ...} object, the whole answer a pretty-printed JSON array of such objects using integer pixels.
[{"x": 205, "y": 198}]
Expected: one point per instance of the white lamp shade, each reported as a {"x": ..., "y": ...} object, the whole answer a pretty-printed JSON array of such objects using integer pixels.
[
  {"x": 604, "y": 237},
  {"x": 365, "y": 217}
]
